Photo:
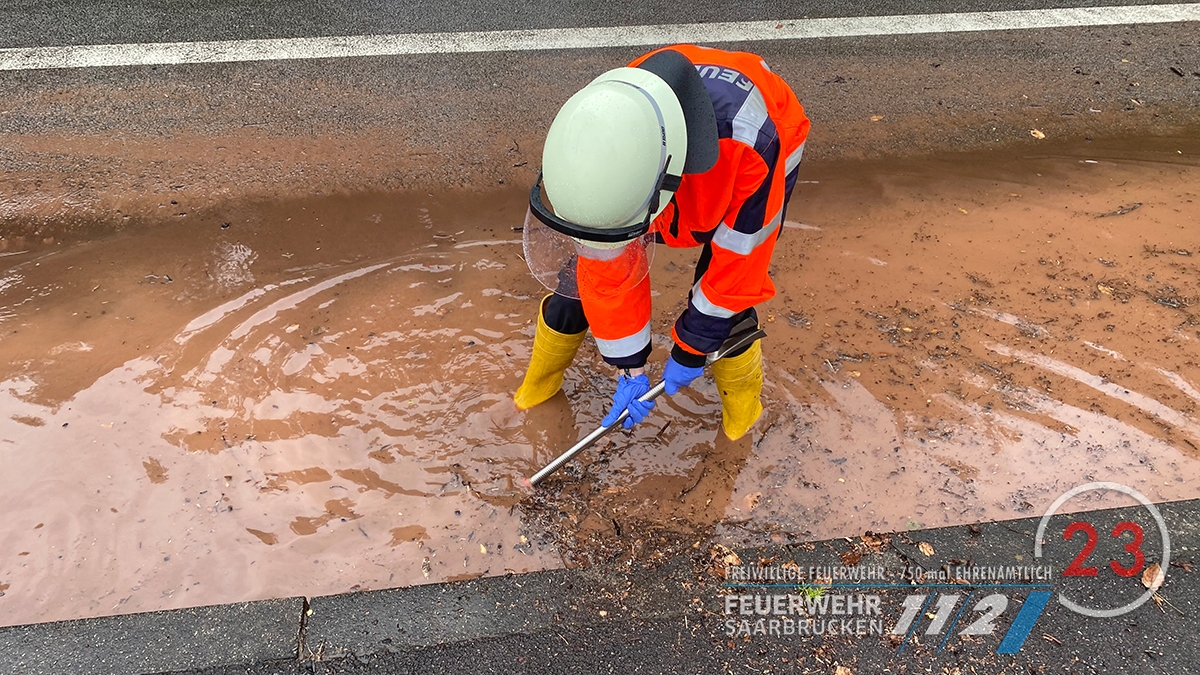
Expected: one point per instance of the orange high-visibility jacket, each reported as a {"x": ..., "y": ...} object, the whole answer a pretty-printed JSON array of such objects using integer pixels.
[{"x": 737, "y": 206}]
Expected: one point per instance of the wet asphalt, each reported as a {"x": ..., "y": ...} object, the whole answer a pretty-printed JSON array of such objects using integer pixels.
[
  {"x": 672, "y": 618},
  {"x": 59, "y": 22},
  {"x": 477, "y": 120}
]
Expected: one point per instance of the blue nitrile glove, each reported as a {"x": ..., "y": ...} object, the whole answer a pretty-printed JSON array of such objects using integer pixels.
[
  {"x": 629, "y": 390},
  {"x": 677, "y": 376}
]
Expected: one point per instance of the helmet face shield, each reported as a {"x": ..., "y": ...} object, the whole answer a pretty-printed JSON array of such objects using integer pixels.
[
  {"x": 614, "y": 235},
  {"x": 612, "y": 158},
  {"x": 564, "y": 264}
]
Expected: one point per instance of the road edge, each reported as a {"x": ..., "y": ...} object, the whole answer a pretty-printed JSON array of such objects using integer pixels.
[{"x": 364, "y": 624}]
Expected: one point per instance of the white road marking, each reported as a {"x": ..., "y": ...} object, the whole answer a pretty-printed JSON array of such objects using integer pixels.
[{"x": 145, "y": 54}]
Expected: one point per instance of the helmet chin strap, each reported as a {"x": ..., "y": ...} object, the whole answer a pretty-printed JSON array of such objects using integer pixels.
[{"x": 667, "y": 182}]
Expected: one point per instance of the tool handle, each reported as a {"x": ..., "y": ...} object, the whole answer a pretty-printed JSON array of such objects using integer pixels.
[{"x": 591, "y": 438}]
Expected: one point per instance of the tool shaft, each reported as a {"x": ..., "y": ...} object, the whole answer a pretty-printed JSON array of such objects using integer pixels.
[
  {"x": 591, "y": 438},
  {"x": 745, "y": 333}
]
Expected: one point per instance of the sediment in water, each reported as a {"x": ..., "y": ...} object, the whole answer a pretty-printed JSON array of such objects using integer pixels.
[{"x": 313, "y": 395}]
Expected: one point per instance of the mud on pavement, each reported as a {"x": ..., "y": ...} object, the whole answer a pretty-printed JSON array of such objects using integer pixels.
[
  {"x": 90, "y": 151},
  {"x": 955, "y": 340},
  {"x": 313, "y": 395}
]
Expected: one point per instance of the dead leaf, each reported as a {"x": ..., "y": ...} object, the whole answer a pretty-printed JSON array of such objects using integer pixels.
[
  {"x": 1153, "y": 577},
  {"x": 721, "y": 557},
  {"x": 850, "y": 558},
  {"x": 842, "y": 670},
  {"x": 751, "y": 500},
  {"x": 926, "y": 548},
  {"x": 156, "y": 472},
  {"x": 874, "y": 542},
  {"x": 1037, "y": 134}
]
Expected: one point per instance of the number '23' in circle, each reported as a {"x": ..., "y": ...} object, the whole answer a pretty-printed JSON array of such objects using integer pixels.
[{"x": 1133, "y": 547}]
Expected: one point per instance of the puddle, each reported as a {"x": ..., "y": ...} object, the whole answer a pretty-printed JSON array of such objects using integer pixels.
[
  {"x": 1020, "y": 340},
  {"x": 313, "y": 397},
  {"x": 286, "y": 405}
]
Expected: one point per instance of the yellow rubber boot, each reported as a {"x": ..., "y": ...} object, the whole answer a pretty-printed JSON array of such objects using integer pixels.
[
  {"x": 552, "y": 353},
  {"x": 739, "y": 380}
]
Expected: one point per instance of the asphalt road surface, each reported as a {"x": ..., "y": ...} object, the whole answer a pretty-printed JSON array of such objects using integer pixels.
[
  {"x": 208, "y": 131},
  {"x": 41, "y": 24},
  {"x": 669, "y": 619}
]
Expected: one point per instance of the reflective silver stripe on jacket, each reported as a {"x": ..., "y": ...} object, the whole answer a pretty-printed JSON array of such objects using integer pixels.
[
  {"x": 793, "y": 159},
  {"x": 750, "y": 118},
  {"x": 707, "y": 306},
  {"x": 739, "y": 242},
  {"x": 626, "y": 346}
]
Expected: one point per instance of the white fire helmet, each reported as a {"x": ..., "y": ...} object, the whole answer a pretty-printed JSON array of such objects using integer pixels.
[{"x": 612, "y": 160}]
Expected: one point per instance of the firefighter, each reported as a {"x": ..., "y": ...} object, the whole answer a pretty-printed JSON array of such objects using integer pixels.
[{"x": 687, "y": 146}]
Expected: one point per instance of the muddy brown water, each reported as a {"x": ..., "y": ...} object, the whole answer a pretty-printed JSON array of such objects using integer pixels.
[{"x": 313, "y": 396}]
